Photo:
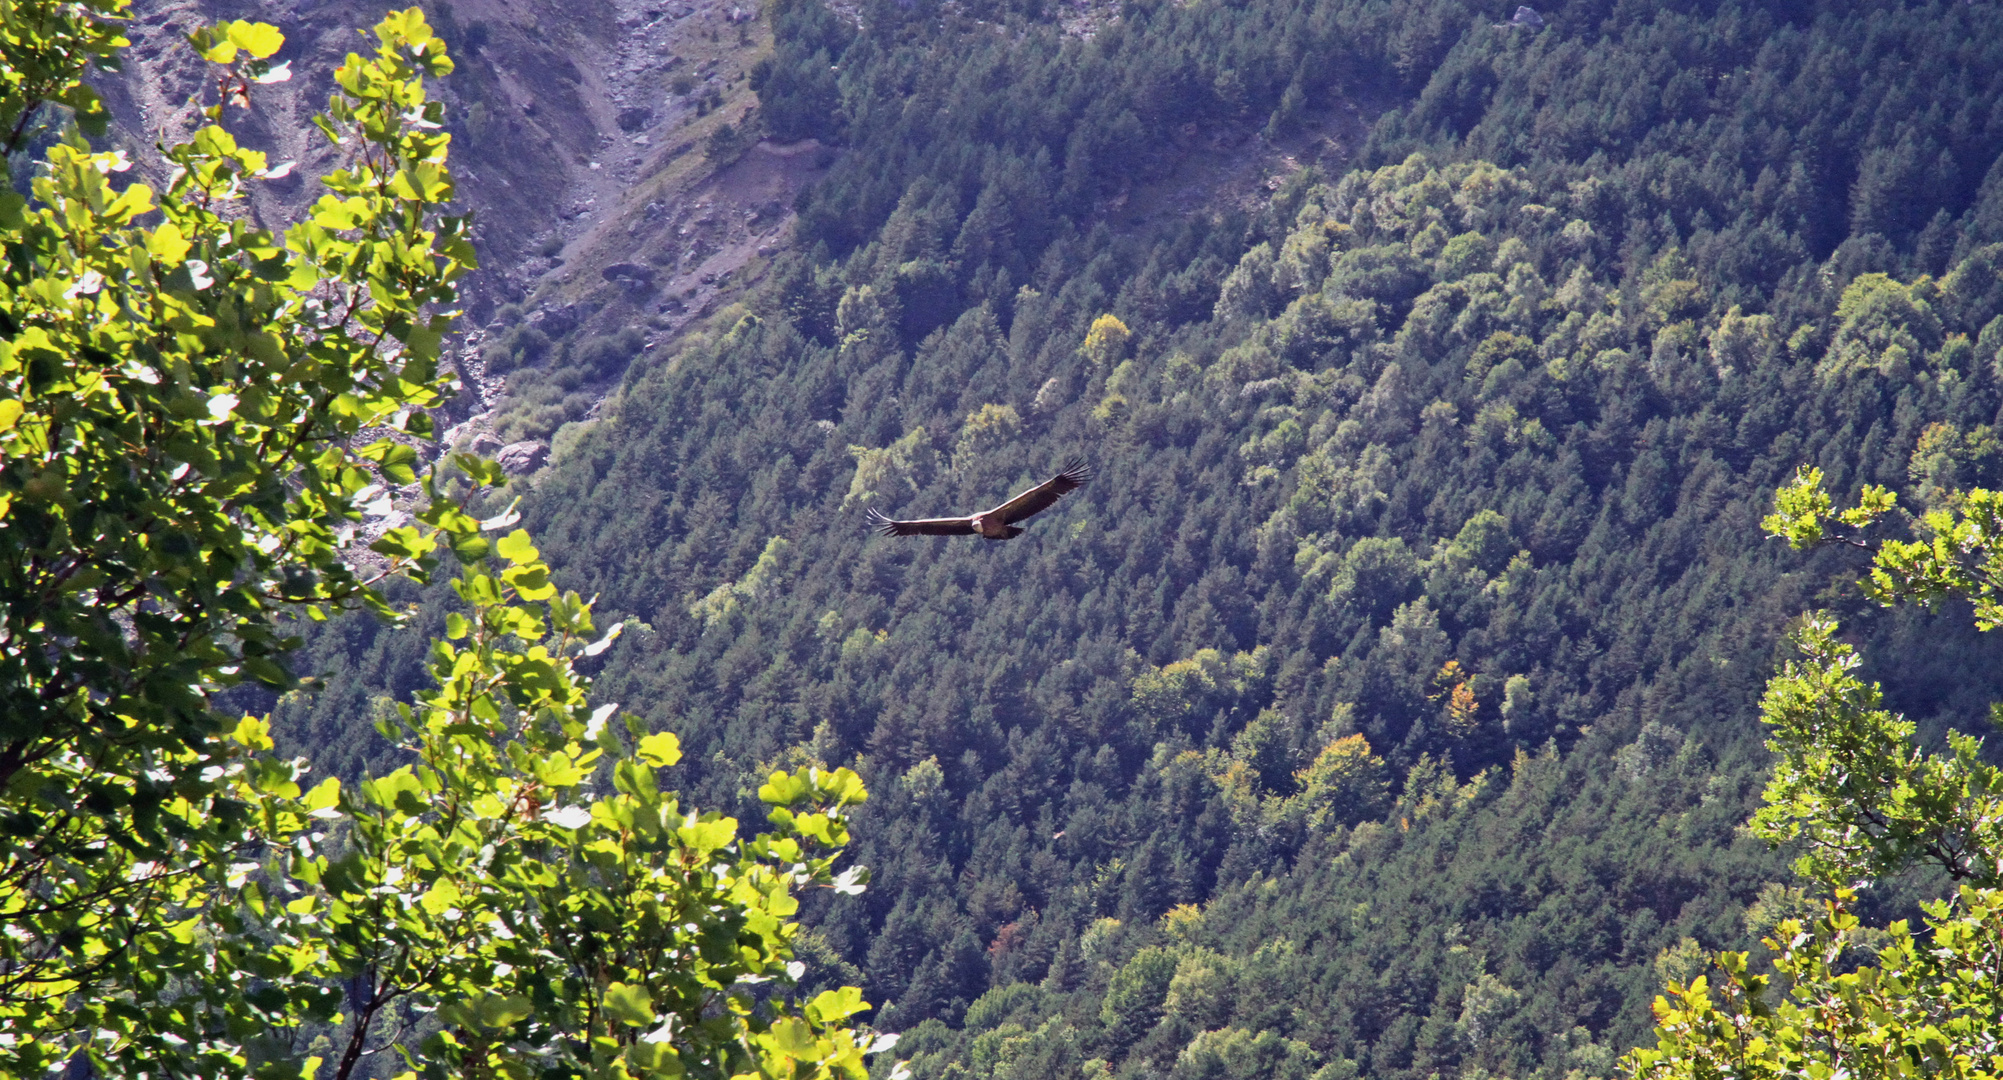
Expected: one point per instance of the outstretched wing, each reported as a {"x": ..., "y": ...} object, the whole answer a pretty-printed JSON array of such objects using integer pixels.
[
  {"x": 1042, "y": 495},
  {"x": 922, "y": 527}
]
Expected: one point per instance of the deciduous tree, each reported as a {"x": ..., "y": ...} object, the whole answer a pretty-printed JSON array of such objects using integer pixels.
[
  {"x": 180, "y": 412},
  {"x": 1853, "y": 786}
]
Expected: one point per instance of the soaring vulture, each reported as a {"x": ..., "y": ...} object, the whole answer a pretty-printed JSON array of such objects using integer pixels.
[{"x": 996, "y": 524}]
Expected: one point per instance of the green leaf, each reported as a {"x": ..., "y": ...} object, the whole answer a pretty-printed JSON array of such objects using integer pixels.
[
  {"x": 267, "y": 672},
  {"x": 497, "y": 1011},
  {"x": 784, "y": 789},
  {"x": 707, "y": 836},
  {"x": 167, "y": 245},
  {"x": 399, "y": 465},
  {"x": 481, "y": 470},
  {"x": 441, "y": 897},
  {"x": 517, "y": 548},
  {"x": 323, "y": 795},
  {"x": 660, "y": 749},
  {"x": 469, "y": 547},
  {"x": 258, "y": 39},
  {"x": 794, "y": 1038},
  {"x": 530, "y": 582},
  {"x": 842, "y": 786},
  {"x": 629, "y": 1005},
  {"x": 831, "y": 1006},
  {"x": 403, "y": 542}
]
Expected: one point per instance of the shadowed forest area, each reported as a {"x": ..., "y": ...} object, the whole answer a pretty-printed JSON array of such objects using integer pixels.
[{"x": 1387, "y": 704}]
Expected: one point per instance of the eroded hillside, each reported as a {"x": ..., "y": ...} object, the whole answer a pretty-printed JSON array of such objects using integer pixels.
[{"x": 586, "y": 145}]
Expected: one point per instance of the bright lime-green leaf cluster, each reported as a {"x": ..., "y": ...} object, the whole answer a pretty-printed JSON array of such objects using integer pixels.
[
  {"x": 549, "y": 923},
  {"x": 1803, "y": 510},
  {"x": 1855, "y": 790},
  {"x": 1851, "y": 783},
  {"x": 220, "y": 43},
  {"x": 180, "y": 396},
  {"x": 181, "y": 401},
  {"x": 1927, "y": 1007},
  {"x": 1960, "y": 554},
  {"x": 46, "y": 46}
]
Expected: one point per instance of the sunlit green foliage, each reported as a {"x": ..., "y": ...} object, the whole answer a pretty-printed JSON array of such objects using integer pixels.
[
  {"x": 1867, "y": 802},
  {"x": 1924, "y": 1006},
  {"x": 551, "y": 925},
  {"x": 1855, "y": 788},
  {"x": 180, "y": 407}
]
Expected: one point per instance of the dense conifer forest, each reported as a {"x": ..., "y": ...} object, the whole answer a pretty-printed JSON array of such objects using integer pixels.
[{"x": 1386, "y": 705}]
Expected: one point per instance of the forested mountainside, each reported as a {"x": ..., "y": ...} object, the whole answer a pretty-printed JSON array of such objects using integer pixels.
[{"x": 1386, "y": 705}]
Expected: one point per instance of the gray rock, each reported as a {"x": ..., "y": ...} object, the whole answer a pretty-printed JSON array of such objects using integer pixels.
[
  {"x": 557, "y": 321},
  {"x": 522, "y": 458},
  {"x": 629, "y": 275},
  {"x": 1527, "y": 16}
]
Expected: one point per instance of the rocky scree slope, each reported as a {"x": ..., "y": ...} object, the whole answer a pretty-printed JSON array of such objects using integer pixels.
[{"x": 584, "y": 144}]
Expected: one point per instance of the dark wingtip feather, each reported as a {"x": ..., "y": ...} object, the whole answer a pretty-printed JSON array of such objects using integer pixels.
[
  {"x": 882, "y": 522},
  {"x": 1076, "y": 472}
]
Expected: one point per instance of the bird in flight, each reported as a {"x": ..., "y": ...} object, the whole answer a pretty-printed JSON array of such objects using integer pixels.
[{"x": 996, "y": 524}]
